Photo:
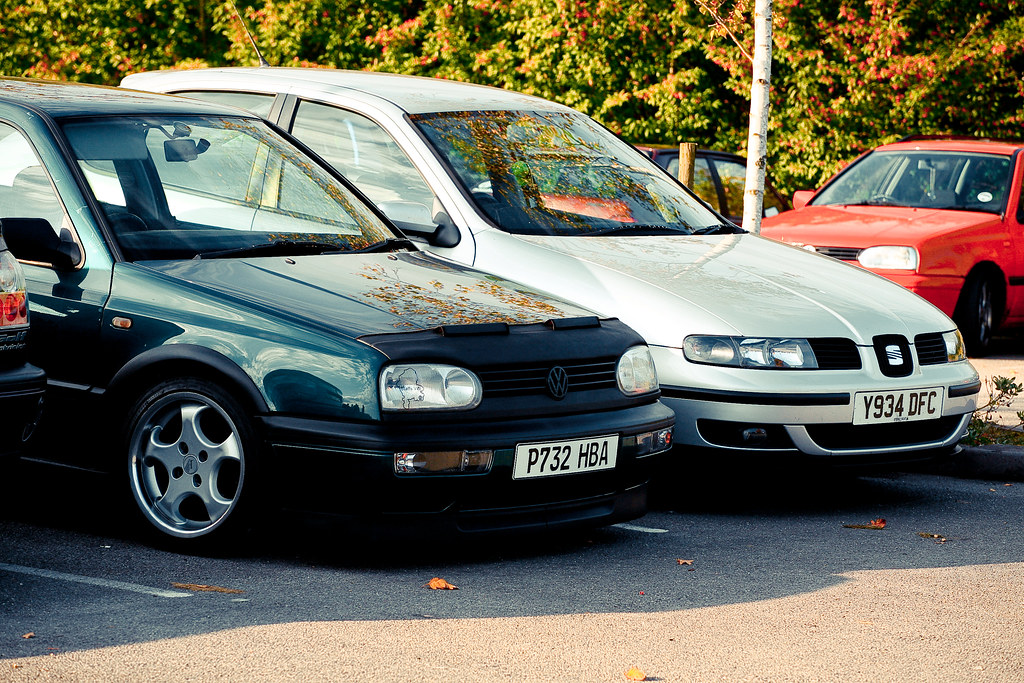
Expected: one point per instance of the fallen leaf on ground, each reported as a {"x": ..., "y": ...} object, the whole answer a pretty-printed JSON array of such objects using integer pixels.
[
  {"x": 686, "y": 562},
  {"x": 938, "y": 538},
  {"x": 635, "y": 674},
  {"x": 440, "y": 584},
  {"x": 873, "y": 524},
  {"x": 29, "y": 635},
  {"x": 202, "y": 587}
]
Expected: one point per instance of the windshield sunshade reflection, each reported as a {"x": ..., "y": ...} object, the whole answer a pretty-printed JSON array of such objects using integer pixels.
[{"x": 558, "y": 173}]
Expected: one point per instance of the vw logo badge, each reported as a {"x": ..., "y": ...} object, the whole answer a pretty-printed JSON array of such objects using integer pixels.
[
  {"x": 558, "y": 383},
  {"x": 893, "y": 353}
]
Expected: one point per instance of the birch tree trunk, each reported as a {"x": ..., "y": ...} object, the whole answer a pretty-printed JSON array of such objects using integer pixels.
[{"x": 757, "y": 139}]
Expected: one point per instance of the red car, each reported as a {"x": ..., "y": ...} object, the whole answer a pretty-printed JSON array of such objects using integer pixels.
[{"x": 942, "y": 217}]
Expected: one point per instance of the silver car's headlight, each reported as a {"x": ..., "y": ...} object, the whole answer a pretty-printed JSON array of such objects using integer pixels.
[
  {"x": 889, "y": 258},
  {"x": 785, "y": 354},
  {"x": 635, "y": 372},
  {"x": 428, "y": 386},
  {"x": 955, "y": 349}
]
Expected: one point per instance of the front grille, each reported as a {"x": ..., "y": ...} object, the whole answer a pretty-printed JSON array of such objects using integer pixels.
[
  {"x": 835, "y": 353},
  {"x": 526, "y": 381},
  {"x": 841, "y": 253},
  {"x": 846, "y": 436},
  {"x": 931, "y": 349}
]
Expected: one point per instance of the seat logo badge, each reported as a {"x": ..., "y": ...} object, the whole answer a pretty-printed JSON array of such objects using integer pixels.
[
  {"x": 894, "y": 355},
  {"x": 558, "y": 382}
]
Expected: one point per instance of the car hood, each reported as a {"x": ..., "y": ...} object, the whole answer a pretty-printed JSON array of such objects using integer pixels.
[
  {"x": 667, "y": 287},
  {"x": 358, "y": 294},
  {"x": 867, "y": 226}
]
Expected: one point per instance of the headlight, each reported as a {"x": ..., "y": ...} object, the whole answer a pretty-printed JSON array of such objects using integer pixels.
[
  {"x": 889, "y": 258},
  {"x": 750, "y": 352},
  {"x": 635, "y": 372},
  {"x": 954, "y": 346},
  {"x": 428, "y": 386}
]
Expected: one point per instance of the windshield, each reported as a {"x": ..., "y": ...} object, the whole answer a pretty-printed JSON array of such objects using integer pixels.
[
  {"x": 559, "y": 173},
  {"x": 177, "y": 187},
  {"x": 923, "y": 179}
]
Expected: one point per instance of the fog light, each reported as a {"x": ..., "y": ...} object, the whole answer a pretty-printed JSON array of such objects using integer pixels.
[
  {"x": 653, "y": 442},
  {"x": 755, "y": 436},
  {"x": 444, "y": 462}
]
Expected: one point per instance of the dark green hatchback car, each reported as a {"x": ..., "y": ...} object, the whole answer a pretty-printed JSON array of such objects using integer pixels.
[{"x": 233, "y": 328}]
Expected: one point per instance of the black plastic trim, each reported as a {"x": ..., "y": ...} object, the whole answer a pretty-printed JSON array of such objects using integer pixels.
[
  {"x": 965, "y": 390},
  {"x": 753, "y": 398}
]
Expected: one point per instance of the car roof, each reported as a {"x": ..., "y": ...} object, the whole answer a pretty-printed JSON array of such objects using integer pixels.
[
  {"x": 669, "y": 150},
  {"x": 413, "y": 94},
  {"x": 955, "y": 145},
  {"x": 58, "y": 99}
]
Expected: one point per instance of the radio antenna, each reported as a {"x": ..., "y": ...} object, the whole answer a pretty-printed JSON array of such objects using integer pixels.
[{"x": 252, "y": 41}]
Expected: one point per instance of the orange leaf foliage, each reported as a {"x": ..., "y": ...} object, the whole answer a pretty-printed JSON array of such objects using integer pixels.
[
  {"x": 440, "y": 584},
  {"x": 635, "y": 674},
  {"x": 204, "y": 587},
  {"x": 687, "y": 562},
  {"x": 30, "y": 634},
  {"x": 873, "y": 524}
]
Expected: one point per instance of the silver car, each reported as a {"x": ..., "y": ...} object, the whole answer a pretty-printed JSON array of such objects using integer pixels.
[{"x": 761, "y": 348}]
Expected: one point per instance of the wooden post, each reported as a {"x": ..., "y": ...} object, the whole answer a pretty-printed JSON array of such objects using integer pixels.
[{"x": 687, "y": 155}]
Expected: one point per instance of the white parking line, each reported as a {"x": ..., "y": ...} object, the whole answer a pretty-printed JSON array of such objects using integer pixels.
[
  {"x": 645, "y": 529},
  {"x": 119, "y": 585}
]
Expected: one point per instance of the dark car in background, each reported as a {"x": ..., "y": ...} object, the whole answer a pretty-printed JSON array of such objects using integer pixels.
[
  {"x": 22, "y": 386},
  {"x": 237, "y": 330},
  {"x": 719, "y": 178}
]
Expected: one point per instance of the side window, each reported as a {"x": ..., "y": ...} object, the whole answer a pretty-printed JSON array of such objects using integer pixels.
[
  {"x": 25, "y": 189},
  {"x": 257, "y": 103},
  {"x": 734, "y": 179},
  {"x": 703, "y": 181},
  {"x": 1020, "y": 196},
  {"x": 361, "y": 151}
]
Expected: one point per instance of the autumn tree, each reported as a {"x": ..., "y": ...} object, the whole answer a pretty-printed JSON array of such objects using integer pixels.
[{"x": 848, "y": 76}]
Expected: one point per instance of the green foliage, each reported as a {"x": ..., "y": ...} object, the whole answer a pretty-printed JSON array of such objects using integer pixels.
[
  {"x": 101, "y": 42},
  {"x": 984, "y": 428},
  {"x": 846, "y": 75},
  {"x": 638, "y": 67}
]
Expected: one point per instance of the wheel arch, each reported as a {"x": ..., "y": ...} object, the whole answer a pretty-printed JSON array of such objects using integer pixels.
[
  {"x": 179, "y": 360},
  {"x": 991, "y": 270}
]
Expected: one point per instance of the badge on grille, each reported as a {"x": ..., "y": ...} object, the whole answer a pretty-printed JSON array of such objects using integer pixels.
[
  {"x": 893, "y": 353},
  {"x": 558, "y": 382}
]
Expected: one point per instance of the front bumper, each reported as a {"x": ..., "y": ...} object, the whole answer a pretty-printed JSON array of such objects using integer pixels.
[
  {"x": 21, "y": 400},
  {"x": 347, "y": 470},
  {"x": 810, "y": 413}
]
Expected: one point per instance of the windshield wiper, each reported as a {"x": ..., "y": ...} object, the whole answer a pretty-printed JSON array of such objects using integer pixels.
[
  {"x": 276, "y": 248},
  {"x": 721, "y": 229},
  {"x": 638, "y": 230},
  {"x": 390, "y": 244}
]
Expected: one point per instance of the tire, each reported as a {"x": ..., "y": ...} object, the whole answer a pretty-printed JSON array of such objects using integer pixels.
[
  {"x": 976, "y": 314},
  {"x": 192, "y": 456}
]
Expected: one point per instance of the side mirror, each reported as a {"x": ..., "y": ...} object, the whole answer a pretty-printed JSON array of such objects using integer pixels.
[
  {"x": 801, "y": 197},
  {"x": 33, "y": 239},
  {"x": 415, "y": 220}
]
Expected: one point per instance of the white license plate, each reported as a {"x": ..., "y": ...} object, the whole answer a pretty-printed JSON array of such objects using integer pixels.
[
  {"x": 883, "y": 407},
  {"x": 552, "y": 458}
]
